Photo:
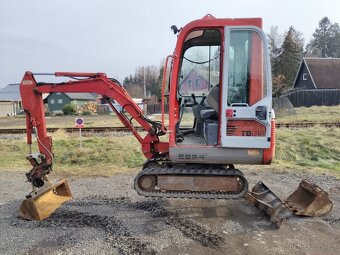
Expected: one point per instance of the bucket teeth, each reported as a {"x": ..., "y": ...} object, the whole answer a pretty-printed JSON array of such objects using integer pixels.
[{"x": 44, "y": 201}]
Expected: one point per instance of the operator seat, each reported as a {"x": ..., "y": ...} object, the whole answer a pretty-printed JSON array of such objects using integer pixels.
[{"x": 213, "y": 100}]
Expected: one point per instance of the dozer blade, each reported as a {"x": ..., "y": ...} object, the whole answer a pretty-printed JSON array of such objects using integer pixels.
[
  {"x": 43, "y": 202},
  {"x": 309, "y": 200}
]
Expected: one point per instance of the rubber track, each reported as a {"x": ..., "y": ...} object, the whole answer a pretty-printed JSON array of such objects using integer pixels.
[
  {"x": 158, "y": 170},
  {"x": 153, "y": 169}
]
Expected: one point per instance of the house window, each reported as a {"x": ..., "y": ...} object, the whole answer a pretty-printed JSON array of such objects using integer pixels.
[
  {"x": 52, "y": 101},
  {"x": 304, "y": 76},
  {"x": 60, "y": 101},
  {"x": 189, "y": 83},
  {"x": 197, "y": 83}
]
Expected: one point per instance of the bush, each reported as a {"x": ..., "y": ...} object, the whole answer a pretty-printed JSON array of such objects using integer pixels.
[
  {"x": 86, "y": 113},
  {"x": 69, "y": 109}
]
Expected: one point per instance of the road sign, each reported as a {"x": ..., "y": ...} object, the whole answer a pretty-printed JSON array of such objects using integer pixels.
[{"x": 79, "y": 122}]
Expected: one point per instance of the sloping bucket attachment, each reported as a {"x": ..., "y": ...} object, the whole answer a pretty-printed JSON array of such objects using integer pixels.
[
  {"x": 309, "y": 200},
  {"x": 43, "y": 202},
  {"x": 266, "y": 200}
]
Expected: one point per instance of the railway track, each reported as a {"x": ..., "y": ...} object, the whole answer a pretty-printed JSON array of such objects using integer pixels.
[
  {"x": 307, "y": 124},
  {"x": 71, "y": 130},
  {"x": 124, "y": 129}
]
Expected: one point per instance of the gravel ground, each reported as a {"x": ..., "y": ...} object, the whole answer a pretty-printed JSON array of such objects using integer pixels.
[{"x": 106, "y": 216}]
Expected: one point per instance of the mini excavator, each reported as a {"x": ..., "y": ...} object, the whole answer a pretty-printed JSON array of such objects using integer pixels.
[{"x": 218, "y": 86}]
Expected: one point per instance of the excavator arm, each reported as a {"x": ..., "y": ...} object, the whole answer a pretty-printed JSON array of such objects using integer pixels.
[
  {"x": 46, "y": 197},
  {"x": 31, "y": 92}
]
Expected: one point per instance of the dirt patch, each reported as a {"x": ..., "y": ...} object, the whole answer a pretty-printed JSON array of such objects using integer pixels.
[{"x": 106, "y": 216}]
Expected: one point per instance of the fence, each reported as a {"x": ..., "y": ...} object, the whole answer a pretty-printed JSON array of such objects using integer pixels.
[
  {"x": 310, "y": 97},
  {"x": 156, "y": 108}
]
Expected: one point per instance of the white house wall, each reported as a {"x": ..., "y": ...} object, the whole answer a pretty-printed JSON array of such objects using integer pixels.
[{"x": 8, "y": 108}]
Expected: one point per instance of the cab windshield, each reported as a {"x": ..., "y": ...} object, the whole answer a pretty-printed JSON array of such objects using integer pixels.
[{"x": 200, "y": 68}]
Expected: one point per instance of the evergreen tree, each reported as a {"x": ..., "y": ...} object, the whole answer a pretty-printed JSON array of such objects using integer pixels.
[
  {"x": 290, "y": 56},
  {"x": 158, "y": 85},
  {"x": 326, "y": 38}
]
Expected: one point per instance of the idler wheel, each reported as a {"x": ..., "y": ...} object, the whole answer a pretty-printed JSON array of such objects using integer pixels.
[{"x": 147, "y": 182}]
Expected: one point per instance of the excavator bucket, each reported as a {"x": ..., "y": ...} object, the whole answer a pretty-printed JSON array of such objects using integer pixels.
[
  {"x": 42, "y": 203},
  {"x": 309, "y": 200},
  {"x": 266, "y": 200}
]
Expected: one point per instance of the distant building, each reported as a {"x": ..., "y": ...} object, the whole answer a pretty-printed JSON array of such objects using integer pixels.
[
  {"x": 317, "y": 83},
  {"x": 140, "y": 103},
  {"x": 194, "y": 82},
  {"x": 102, "y": 102},
  {"x": 10, "y": 100},
  {"x": 56, "y": 101}
]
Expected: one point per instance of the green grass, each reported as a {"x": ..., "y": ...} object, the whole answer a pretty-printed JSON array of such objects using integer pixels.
[
  {"x": 12, "y": 155},
  {"x": 99, "y": 155},
  {"x": 313, "y": 114},
  {"x": 314, "y": 149}
]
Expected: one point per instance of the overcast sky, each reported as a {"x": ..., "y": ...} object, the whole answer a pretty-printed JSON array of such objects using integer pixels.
[{"x": 118, "y": 36}]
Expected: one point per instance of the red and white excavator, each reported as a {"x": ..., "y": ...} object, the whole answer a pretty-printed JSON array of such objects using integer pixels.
[{"x": 219, "y": 76}]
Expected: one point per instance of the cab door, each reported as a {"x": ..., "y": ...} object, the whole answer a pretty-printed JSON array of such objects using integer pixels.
[{"x": 246, "y": 94}]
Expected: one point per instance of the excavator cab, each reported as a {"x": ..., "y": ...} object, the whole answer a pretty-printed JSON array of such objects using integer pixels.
[
  {"x": 219, "y": 111},
  {"x": 223, "y": 93},
  {"x": 198, "y": 90}
]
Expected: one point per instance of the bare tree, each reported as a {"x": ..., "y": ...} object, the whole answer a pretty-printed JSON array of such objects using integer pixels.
[{"x": 275, "y": 40}]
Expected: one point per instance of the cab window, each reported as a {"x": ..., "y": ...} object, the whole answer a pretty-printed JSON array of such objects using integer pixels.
[
  {"x": 200, "y": 67},
  {"x": 246, "y": 73}
]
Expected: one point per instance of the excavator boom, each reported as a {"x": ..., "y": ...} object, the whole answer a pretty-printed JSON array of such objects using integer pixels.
[
  {"x": 92, "y": 83},
  {"x": 47, "y": 197}
]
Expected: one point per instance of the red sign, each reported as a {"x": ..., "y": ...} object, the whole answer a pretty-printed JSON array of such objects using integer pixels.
[
  {"x": 229, "y": 113},
  {"x": 79, "y": 122}
]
